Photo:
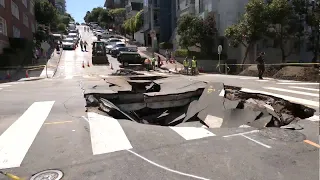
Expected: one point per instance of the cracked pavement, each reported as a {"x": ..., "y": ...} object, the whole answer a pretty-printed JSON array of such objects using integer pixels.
[{"x": 64, "y": 140}]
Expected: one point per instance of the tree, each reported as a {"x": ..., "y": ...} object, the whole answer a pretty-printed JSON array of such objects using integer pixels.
[
  {"x": 208, "y": 34},
  {"x": 104, "y": 18},
  {"x": 45, "y": 13},
  {"x": 282, "y": 25},
  {"x": 62, "y": 27},
  {"x": 251, "y": 28},
  {"x": 313, "y": 20},
  {"x": 189, "y": 27},
  {"x": 129, "y": 26},
  {"x": 138, "y": 20}
]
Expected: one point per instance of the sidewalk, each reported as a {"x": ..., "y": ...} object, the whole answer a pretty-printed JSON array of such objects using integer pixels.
[
  {"x": 166, "y": 66},
  {"x": 35, "y": 70}
]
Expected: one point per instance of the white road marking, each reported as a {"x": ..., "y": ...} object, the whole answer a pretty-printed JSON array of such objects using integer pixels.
[
  {"x": 304, "y": 88},
  {"x": 245, "y": 78},
  {"x": 190, "y": 133},
  {"x": 262, "y": 80},
  {"x": 0, "y": 88},
  {"x": 238, "y": 134},
  {"x": 68, "y": 77},
  {"x": 87, "y": 76},
  {"x": 258, "y": 142},
  {"x": 17, "y": 139},
  {"x": 4, "y": 85},
  {"x": 107, "y": 134},
  {"x": 289, "y": 98},
  {"x": 313, "y": 118},
  {"x": 292, "y": 91},
  {"x": 298, "y": 83},
  {"x": 244, "y": 126},
  {"x": 104, "y": 76},
  {"x": 166, "y": 168}
]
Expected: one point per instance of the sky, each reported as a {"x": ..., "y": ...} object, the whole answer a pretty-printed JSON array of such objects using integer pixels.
[{"x": 78, "y": 8}]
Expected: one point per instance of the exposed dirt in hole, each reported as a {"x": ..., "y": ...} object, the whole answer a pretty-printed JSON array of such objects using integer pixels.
[{"x": 176, "y": 100}]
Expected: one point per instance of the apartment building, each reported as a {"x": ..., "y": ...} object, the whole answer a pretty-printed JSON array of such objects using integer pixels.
[
  {"x": 113, "y": 4},
  {"x": 164, "y": 19},
  {"x": 16, "y": 20},
  {"x": 133, "y": 7}
]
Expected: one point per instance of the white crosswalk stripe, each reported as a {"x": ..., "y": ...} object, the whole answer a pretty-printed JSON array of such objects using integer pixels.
[
  {"x": 17, "y": 139},
  {"x": 292, "y": 91},
  {"x": 304, "y": 88}
]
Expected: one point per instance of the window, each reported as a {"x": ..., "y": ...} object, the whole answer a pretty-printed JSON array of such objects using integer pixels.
[
  {"x": 33, "y": 28},
  {"x": 2, "y": 3},
  {"x": 14, "y": 10},
  {"x": 3, "y": 26},
  {"x": 16, "y": 32},
  {"x": 32, "y": 7},
  {"x": 25, "y": 3},
  {"x": 25, "y": 20}
]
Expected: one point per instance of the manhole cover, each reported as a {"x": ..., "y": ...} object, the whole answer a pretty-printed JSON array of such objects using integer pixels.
[
  {"x": 285, "y": 135},
  {"x": 48, "y": 175}
]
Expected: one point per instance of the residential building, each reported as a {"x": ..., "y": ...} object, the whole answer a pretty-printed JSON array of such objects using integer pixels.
[
  {"x": 164, "y": 19},
  {"x": 133, "y": 7},
  {"x": 113, "y": 4},
  {"x": 16, "y": 20}
]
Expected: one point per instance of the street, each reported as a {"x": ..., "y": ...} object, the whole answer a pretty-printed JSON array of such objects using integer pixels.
[{"x": 44, "y": 125}]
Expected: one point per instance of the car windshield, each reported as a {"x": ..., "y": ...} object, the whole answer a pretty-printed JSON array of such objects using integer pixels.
[{"x": 120, "y": 45}]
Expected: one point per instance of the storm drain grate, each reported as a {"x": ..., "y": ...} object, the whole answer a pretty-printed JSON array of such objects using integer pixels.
[{"x": 48, "y": 175}]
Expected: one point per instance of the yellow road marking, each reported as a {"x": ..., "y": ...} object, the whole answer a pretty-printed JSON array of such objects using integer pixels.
[
  {"x": 58, "y": 122},
  {"x": 312, "y": 143}
]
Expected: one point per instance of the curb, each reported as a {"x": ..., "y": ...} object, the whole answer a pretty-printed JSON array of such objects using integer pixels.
[{"x": 56, "y": 68}]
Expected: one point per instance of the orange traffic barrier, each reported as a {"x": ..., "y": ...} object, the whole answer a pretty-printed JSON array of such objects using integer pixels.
[
  {"x": 88, "y": 64},
  {"x": 27, "y": 74}
]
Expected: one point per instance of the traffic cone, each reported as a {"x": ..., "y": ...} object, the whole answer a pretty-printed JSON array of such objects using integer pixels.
[
  {"x": 27, "y": 74},
  {"x": 11, "y": 176},
  {"x": 82, "y": 64},
  {"x": 88, "y": 64},
  {"x": 8, "y": 75},
  {"x": 111, "y": 67}
]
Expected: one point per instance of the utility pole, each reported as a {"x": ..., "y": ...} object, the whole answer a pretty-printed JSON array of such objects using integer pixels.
[{"x": 152, "y": 25}]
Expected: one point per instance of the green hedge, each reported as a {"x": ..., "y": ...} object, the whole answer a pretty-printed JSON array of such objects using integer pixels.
[
  {"x": 184, "y": 52},
  {"x": 165, "y": 45}
]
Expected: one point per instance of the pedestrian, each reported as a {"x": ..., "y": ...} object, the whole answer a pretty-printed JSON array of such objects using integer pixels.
[
  {"x": 193, "y": 66},
  {"x": 186, "y": 65},
  {"x": 260, "y": 64},
  {"x": 85, "y": 45},
  {"x": 81, "y": 45},
  {"x": 159, "y": 61}
]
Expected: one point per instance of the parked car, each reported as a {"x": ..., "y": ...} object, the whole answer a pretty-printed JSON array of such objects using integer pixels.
[
  {"x": 126, "y": 58},
  {"x": 115, "y": 51},
  {"x": 115, "y": 45},
  {"x": 68, "y": 43},
  {"x": 111, "y": 41},
  {"x": 75, "y": 36}
]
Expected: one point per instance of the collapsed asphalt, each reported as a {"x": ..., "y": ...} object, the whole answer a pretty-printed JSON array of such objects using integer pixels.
[{"x": 173, "y": 101}]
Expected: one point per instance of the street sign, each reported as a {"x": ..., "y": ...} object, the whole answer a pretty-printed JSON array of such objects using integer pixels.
[
  {"x": 153, "y": 33},
  {"x": 45, "y": 46},
  {"x": 219, "y": 49}
]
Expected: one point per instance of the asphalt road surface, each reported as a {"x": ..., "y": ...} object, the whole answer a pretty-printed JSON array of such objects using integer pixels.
[{"x": 44, "y": 126}]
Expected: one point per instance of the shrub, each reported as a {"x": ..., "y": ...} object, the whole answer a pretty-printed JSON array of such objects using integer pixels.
[
  {"x": 165, "y": 45},
  {"x": 181, "y": 53}
]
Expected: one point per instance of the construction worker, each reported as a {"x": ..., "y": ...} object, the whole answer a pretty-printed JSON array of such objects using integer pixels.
[
  {"x": 147, "y": 63},
  {"x": 153, "y": 61},
  {"x": 193, "y": 66},
  {"x": 186, "y": 65}
]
